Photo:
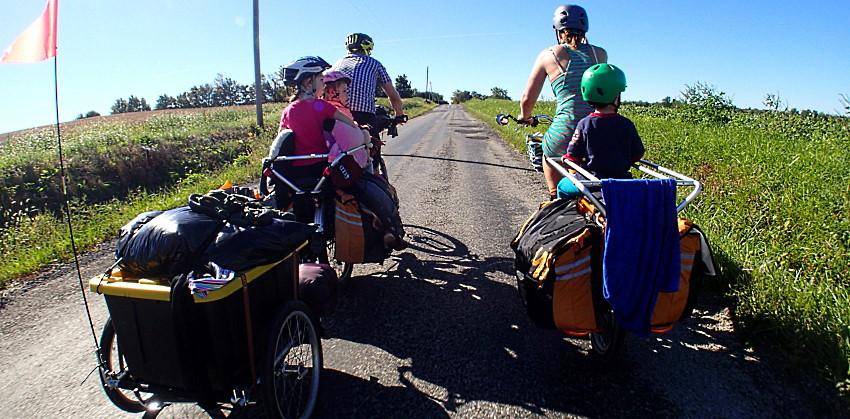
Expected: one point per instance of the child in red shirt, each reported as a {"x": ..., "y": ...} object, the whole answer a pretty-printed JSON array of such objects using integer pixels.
[{"x": 306, "y": 113}]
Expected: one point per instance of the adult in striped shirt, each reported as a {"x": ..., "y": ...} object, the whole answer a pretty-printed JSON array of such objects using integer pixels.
[
  {"x": 366, "y": 74},
  {"x": 563, "y": 65}
]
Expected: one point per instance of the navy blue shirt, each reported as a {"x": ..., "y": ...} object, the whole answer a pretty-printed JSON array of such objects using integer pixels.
[{"x": 606, "y": 144}]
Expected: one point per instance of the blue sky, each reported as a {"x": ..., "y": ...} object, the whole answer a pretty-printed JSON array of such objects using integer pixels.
[{"x": 112, "y": 49}]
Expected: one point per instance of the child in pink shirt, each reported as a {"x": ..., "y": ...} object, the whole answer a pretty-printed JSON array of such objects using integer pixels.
[{"x": 336, "y": 93}]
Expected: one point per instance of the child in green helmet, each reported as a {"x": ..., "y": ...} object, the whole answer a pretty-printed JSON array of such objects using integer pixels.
[{"x": 605, "y": 142}]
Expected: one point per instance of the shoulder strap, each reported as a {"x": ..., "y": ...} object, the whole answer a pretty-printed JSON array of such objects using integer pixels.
[
  {"x": 558, "y": 63},
  {"x": 595, "y": 58}
]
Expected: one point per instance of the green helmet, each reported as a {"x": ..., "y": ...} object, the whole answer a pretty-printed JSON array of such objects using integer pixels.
[{"x": 601, "y": 83}]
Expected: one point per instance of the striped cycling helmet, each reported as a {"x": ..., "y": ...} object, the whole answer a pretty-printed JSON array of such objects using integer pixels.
[{"x": 359, "y": 42}]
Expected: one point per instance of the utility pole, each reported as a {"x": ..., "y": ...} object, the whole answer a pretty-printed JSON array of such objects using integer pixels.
[
  {"x": 258, "y": 88},
  {"x": 427, "y": 92}
]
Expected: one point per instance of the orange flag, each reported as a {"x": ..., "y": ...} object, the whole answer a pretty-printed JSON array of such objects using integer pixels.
[{"x": 38, "y": 41}]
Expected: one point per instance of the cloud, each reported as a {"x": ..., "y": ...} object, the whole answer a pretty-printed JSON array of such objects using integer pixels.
[{"x": 239, "y": 21}]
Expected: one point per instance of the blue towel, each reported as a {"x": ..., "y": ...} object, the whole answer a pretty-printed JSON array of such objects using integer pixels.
[{"x": 641, "y": 255}]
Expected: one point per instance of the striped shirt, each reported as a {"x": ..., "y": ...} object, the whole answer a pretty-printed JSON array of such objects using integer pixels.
[{"x": 366, "y": 75}]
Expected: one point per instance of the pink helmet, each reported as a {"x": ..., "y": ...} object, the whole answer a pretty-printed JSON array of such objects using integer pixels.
[{"x": 330, "y": 76}]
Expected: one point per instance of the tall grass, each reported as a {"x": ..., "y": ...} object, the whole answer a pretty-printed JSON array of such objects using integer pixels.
[
  {"x": 776, "y": 209},
  {"x": 32, "y": 239}
]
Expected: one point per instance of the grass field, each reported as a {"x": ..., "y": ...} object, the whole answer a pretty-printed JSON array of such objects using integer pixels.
[
  {"x": 776, "y": 208},
  {"x": 32, "y": 237}
]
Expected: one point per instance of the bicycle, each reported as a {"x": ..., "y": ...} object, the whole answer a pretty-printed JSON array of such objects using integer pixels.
[
  {"x": 310, "y": 196},
  {"x": 384, "y": 120},
  {"x": 533, "y": 142},
  {"x": 607, "y": 337}
]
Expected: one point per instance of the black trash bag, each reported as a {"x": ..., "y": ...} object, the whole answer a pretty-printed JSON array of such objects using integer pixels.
[
  {"x": 239, "y": 248},
  {"x": 169, "y": 244},
  {"x": 317, "y": 286},
  {"x": 130, "y": 229}
]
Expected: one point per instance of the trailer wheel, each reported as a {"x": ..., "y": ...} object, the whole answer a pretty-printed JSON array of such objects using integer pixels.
[
  {"x": 112, "y": 367},
  {"x": 292, "y": 364}
]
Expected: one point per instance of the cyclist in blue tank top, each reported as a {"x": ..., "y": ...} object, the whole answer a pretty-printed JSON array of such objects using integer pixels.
[{"x": 563, "y": 65}]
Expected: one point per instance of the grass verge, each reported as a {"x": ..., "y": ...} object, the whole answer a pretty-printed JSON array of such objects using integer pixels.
[{"x": 38, "y": 241}]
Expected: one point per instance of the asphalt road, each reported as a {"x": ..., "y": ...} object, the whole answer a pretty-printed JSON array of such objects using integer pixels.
[{"x": 438, "y": 330}]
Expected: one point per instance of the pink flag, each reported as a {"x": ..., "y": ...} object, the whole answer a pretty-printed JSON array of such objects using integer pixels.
[{"x": 38, "y": 41}]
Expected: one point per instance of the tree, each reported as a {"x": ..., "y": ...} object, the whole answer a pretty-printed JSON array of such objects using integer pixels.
[
  {"x": 183, "y": 101},
  {"x": 226, "y": 92},
  {"x": 774, "y": 102},
  {"x": 705, "y": 95},
  {"x": 201, "y": 96},
  {"x": 88, "y": 114},
  {"x": 667, "y": 102},
  {"x": 166, "y": 102},
  {"x": 120, "y": 106},
  {"x": 274, "y": 88},
  {"x": 845, "y": 102},
  {"x": 499, "y": 93},
  {"x": 402, "y": 85},
  {"x": 461, "y": 96},
  {"x": 428, "y": 95},
  {"x": 135, "y": 104}
]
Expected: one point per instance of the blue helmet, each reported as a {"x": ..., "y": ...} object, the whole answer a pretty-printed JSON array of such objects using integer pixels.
[
  {"x": 570, "y": 17},
  {"x": 295, "y": 72}
]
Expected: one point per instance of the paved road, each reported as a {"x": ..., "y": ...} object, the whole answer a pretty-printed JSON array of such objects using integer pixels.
[{"x": 437, "y": 331}]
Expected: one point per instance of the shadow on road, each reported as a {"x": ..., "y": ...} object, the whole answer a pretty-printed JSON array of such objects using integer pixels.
[{"x": 458, "y": 320}]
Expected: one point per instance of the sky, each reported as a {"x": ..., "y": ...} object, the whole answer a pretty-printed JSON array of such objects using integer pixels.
[{"x": 114, "y": 49}]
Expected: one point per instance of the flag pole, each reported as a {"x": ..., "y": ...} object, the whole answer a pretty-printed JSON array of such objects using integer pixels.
[{"x": 65, "y": 203}]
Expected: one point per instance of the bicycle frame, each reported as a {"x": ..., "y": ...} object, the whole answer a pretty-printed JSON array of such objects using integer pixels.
[{"x": 270, "y": 171}]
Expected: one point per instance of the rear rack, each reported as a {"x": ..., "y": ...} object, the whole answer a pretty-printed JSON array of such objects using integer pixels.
[{"x": 645, "y": 166}]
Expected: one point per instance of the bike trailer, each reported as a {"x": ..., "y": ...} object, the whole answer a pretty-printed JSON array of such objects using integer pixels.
[
  {"x": 202, "y": 343},
  {"x": 559, "y": 270}
]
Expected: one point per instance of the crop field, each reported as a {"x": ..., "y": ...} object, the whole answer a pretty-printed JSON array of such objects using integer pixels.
[
  {"x": 776, "y": 209},
  {"x": 119, "y": 166}
]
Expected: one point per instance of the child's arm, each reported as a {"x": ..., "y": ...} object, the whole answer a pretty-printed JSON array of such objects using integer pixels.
[
  {"x": 577, "y": 149},
  {"x": 636, "y": 145},
  {"x": 339, "y": 116}
]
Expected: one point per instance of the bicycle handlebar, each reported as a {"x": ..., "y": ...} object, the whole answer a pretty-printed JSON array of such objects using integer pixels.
[{"x": 504, "y": 119}]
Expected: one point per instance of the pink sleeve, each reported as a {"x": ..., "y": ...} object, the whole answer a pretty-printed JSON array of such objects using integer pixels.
[{"x": 284, "y": 118}]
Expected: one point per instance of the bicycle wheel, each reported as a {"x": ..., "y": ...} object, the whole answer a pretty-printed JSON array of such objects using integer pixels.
[
  {"x": 112, "y": 367},
  {"x": 292, "y": 364},
  {"x": 609, "y": 342}
]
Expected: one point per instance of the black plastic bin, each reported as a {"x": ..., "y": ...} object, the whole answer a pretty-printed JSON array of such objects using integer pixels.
[{"x": 172, "y": 339}]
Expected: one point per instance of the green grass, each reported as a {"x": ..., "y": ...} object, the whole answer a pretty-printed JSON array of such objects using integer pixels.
[
  {"x": 776, "y": 208},
  {"x": 31, "y": 242}
]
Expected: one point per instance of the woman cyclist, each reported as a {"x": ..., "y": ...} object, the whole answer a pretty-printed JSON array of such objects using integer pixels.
[{"x": 563, "y": 65}]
